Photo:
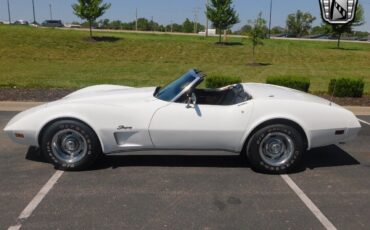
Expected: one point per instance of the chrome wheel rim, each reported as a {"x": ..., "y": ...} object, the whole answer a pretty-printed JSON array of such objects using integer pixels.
[
  {"x": 276, "y": 148},
  {"x": 69, "y": 146}
]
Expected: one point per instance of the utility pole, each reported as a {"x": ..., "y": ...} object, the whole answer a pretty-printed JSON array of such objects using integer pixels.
[
  {"x": 136, "y": 20},
  {"x": 270, "y": 19},
  {"x": 152, "y": 23},
  {"x": 171, "y": 26},
  {"x": 196, "y": 20},
  {"x": 10, "y": 20},
  {"x": 34, "y": 15},
  {"x": 51, "y": 12},
  {"x": 206, "y": 18}
]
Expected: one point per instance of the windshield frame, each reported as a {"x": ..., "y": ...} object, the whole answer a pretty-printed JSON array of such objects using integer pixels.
[{"x": 197, "y": 78}]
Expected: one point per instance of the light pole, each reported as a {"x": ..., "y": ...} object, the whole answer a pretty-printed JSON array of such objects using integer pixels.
[
  {"x": 152, "y": 24},
  {"x": 270, "y": 19},
  {"x": 206, "y": 19},
  {"x": 10, "y": 20},
  {"x": 136, "y": 20},
  {"x": 195, "y": 20},
  {"x": 34, "y": 15},
  {"x": 51, "y": 12}
]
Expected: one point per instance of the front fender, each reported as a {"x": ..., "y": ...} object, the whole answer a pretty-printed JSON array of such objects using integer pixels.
[{"x": 30, "y": 122}]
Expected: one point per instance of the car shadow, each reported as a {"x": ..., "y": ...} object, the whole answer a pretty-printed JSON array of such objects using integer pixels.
[
  {"x": 34, "y": 154},
  {"x": 172, "y": 161},
  {"x": 331, "y": 156}
]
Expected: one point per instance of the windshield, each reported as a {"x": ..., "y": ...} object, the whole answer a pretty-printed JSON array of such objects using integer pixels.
[{"x": 169, "y": 92}]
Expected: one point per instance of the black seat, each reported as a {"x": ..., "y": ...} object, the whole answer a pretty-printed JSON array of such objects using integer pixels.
[{"x": 235, "y": 95}]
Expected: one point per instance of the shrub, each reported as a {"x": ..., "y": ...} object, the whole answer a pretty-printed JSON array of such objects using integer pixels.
[
  {"x": 221, "y": 81},
  {"x": 346, "y": 87},
  {"x": 299, "y": 83}
]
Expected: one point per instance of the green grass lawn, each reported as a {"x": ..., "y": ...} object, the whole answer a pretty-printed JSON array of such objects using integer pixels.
[{"x": 39, "y": 58}]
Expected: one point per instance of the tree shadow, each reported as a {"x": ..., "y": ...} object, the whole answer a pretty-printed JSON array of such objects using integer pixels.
[
  {"x": 259, "y": 64},
  {"x": 331, "y": 156},
  {"x": 345, "y": 49},
  {"x": 103, "y": 39},
  {"x": 229, "y": 43}
]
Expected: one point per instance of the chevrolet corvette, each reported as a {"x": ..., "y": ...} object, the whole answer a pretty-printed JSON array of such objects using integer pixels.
[{"x": 271, "y": 125}]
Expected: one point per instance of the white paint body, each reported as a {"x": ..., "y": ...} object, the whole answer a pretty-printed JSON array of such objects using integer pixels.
[{"x": 151, "y": 123}]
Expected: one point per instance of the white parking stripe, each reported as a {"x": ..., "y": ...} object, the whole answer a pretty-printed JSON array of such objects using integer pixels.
[
  {"x": 15, "y": 227},
  {"x": 310, "y": 205},
  {"x": 365, "y": 122},
  {"x": 36, "y": 200}
]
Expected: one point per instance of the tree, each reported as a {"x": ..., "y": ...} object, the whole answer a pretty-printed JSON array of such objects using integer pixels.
[
  {"x": 222, "y": 15},
  {"x": 257, "y": 33},
  {"x": 115, "y": 25},
  {"x": 339, "y": 29},
  {"x": 187, "y": 26},
  {"x": 322, "y": 29},
  {"x": 143, "y": 24},
  {"x": 174, "y": 28},
  {"x": 104, "y": 23},
  {"x": 299, "y": 23},
  {"x": 90, "y": 10},
  {"x": 246, "y": 29},
  {"x": 277, "y": 30}
]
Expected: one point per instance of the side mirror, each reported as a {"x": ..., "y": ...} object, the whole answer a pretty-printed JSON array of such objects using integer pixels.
[{"x": 192, "y": 100}]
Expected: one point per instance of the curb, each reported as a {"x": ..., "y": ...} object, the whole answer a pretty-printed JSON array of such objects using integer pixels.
[
  {"x": 359, "y": 110},
  {"x": 15, "y": 106}
]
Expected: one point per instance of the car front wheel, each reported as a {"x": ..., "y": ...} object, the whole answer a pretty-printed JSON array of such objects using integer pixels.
[
  {"x": 70, "y": 145},
  {"x": 275, "y": 149}
]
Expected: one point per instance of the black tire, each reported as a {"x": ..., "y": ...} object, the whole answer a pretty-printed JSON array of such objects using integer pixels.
[
  {"x": 261, "y": 144},
  {"x": 79, "y": 133}
]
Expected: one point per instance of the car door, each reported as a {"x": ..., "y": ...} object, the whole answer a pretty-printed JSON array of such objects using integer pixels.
[{"x": 211, "y": 127}]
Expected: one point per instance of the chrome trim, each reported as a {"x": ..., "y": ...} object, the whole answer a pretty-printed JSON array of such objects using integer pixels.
[
  {"x": 128, "y": 151},
  {"x": 276, "y": 148},
  {"x": 197, "y": 78},
  {"x": 186, "y": 89},
  {"x": 69, "y": 146}
]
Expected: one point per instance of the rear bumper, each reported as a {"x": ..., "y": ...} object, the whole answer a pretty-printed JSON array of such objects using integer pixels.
[
  {"x": 351, "y": 133},
  {"x": 326, "y": 137}
]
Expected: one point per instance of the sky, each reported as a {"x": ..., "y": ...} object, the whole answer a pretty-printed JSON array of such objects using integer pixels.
[{"x": 168, "y": 11}]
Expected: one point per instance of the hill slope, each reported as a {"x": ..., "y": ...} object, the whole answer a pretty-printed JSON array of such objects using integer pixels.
[{"x": 36, "y": 57}]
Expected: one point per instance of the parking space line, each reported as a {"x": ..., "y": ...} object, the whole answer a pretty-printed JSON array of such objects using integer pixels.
[
  {"x": 36, "y": 200},
  {"x": 310, "y": 205},
  {"x": 365, "y": 122}
]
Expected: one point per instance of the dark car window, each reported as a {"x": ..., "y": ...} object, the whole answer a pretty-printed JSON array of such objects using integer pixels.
[{"x": 169, "y": 92}]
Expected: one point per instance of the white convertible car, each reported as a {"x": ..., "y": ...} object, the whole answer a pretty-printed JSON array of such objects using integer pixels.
[{"x": 272, "y": 125}]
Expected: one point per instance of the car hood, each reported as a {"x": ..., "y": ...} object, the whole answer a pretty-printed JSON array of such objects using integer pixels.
[
  {"x": 273, "y": 92},
  {"x": 110, "y": 94},
  {"x": 107, "y": 95}
]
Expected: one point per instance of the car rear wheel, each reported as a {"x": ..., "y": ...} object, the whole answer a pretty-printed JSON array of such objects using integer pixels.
[
  {"x": 70, "y": 145},
  {"x": 275, "y": 149}
]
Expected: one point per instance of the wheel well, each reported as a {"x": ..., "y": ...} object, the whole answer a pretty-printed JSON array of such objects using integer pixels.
[
  {"x": 278, "y": 121},
  {"x": 61, "y": 119}
]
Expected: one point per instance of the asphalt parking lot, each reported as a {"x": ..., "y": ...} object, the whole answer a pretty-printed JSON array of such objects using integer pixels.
[{"x": 187, "y": 192}]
